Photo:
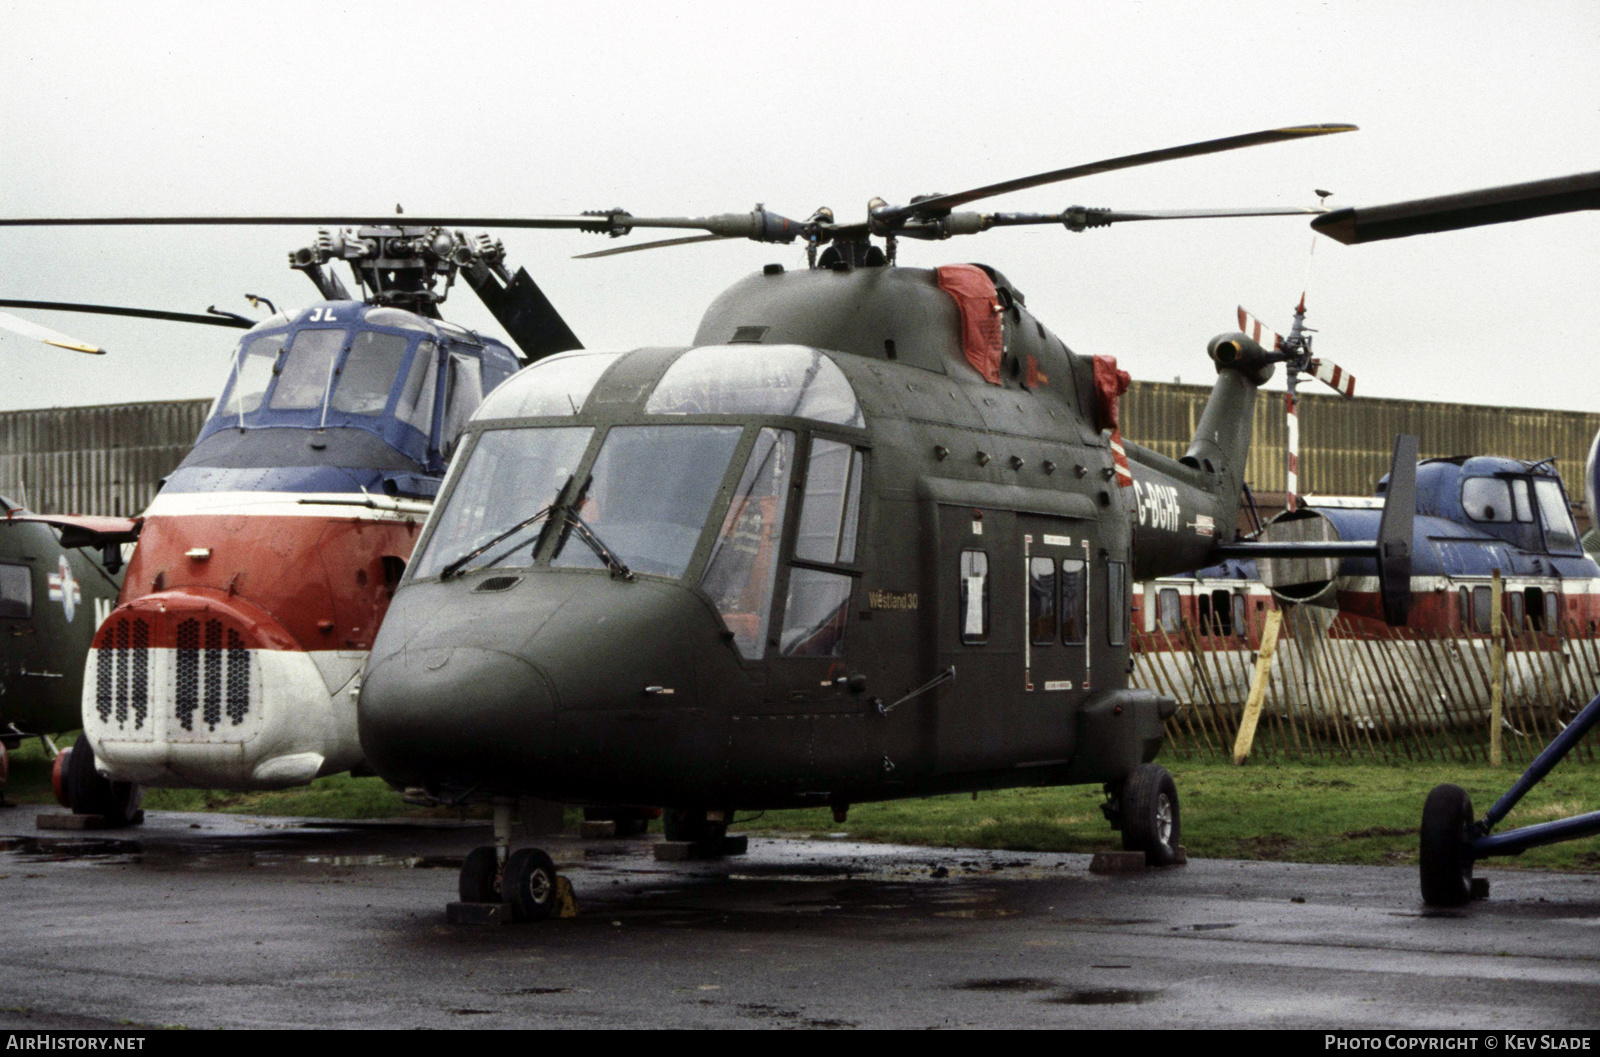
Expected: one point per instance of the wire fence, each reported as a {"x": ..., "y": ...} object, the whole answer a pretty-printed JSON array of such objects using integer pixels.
[{"x": 1340, "y": 689}]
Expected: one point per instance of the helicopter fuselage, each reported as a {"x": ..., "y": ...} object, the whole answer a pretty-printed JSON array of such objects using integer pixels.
[{"x": 845, "y": 547}]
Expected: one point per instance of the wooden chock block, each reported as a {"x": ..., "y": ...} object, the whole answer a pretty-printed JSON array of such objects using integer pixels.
[{"x": 1117, "y": 862}]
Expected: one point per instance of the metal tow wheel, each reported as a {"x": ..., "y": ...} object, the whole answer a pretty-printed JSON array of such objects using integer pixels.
[
  {"x": 530, "y": 885},
  {"x": 1150, "y": 818},
  {"x": 88, "y": 792},
  {"x": 1446, "y": 848},
  {"x": 480, "y": 877}
]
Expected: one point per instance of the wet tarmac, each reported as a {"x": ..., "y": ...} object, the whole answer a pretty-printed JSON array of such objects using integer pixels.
[{"x": 229, "y": 921}]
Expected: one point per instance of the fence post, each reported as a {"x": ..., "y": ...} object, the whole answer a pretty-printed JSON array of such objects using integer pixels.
[
  {"x": 1258, "y": 687},
  {"x": 1497, "y": 669}
]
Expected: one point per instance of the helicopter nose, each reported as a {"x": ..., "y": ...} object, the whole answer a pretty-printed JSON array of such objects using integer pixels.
[{"x": 455, "y": 714}]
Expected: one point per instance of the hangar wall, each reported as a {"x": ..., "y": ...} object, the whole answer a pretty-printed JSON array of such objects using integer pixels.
[{"x": 109, "y": 459}]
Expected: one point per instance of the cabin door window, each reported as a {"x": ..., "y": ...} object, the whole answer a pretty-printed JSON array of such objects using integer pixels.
[
  {"x": 16, "y": 592},
  {"x": 1169, "y": 610},
  {"x": 744, "y": 559},
  {"x": 974, "y": 608}
]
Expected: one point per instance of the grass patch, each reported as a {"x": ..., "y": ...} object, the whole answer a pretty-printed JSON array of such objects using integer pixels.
[{"x": 1292, "y": 812}]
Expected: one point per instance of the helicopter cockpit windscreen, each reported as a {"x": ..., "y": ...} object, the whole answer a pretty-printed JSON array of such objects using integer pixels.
[
  {"x": 251, "y": 372},
  {"x": 556, "y": 385},
  {"x": 307, "y": 372},
  {"x": 368, "y": 373},
  {"x": 509, "y": 476},
  {"x": 649, "y": 494},
  {"x": 757, "y": 380}
]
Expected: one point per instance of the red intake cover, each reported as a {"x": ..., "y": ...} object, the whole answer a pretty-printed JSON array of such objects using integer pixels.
[
  {"x": 981, "y": 335},
  {"x": 1109, "y": 383}
]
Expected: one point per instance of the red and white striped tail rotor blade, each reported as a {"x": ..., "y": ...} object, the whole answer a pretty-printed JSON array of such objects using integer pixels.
[
  {"x": 1334, "y": 377},
  {"x": 1258, "y": 331}
]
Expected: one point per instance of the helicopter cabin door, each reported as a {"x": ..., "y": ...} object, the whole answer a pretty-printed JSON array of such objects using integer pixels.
[{"x": 1014, "y": 613}]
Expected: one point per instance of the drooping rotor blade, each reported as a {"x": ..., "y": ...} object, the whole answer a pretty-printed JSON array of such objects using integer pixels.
[
  {"x": 600, "y": 222},
  {"x": 658, "y": 244},
  {"x": 943, "y": 203},
  {"x": 524, "y": 311},
  {"x": 219, "y": 319},
  {"x": 29, "y": 329},
  {"x": 1491, "y": 205}
]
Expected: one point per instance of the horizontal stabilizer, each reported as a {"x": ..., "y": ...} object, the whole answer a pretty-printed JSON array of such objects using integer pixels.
[{"x": 83, "y": 530}]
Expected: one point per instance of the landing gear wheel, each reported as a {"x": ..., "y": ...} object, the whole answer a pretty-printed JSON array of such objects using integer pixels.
[
  {"x": 691, "y": 824},
  {"x": 530, "y": 885},
  {"x": 90, "y": 793},
  {"x": 1446, "y": 849},
  {"x": 1150, "y": 819},
  {"x": 480, "y": 877}
]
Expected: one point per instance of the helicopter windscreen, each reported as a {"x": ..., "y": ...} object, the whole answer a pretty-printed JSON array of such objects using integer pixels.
[
  {"x": 651, "y": 490},
  {"x": 251, "y": 371},
  {"x": 368, "y": 373},
  {"x": 556, "y": 385},
  {"x": 764, "y": 380},
  {"x": 509, "y": 475}
]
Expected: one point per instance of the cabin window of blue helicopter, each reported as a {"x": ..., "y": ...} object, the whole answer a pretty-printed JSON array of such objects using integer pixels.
[
  {"x": 1117, "y": 603},
  {"x": 416, "y": 399},
  {"x": 1486, "y": 498},
  {"x": 508, "y": 476},
  {"x": 1481, "y": 610},
  {"x": 462, "y": 394},
  {"x": 1169, "y": 610},
  {"x": 1519, "y": 496},
  {"x": 1560, "y": 534},
  {"x": 251, "y": 371},
  {"x": 367, "y": 376},
  {"x": 1515, "y": 601},
  {"x": 307, "y": 372},
  {"x": 1074, "y": 602},
  {"x": 743, "y": 567},
  {"x": 16, "y": 591},
  {"x": 649, "y": 494},
  {"x": 974, "y": 598}
]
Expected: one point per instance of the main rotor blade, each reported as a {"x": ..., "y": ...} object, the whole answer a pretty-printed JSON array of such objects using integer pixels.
[
  {"x": 1470, "y": 209},
  {"x": 650, "y": 246},
  {"x": 525, "y": 312},
  {"x": 942, "y": 203},
  {"x": 237, "y": 322},
  {"x": 601, "y": 223},
  {"x": 29, "y": 329}
]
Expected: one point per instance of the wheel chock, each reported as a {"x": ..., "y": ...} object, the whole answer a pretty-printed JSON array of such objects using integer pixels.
[
  {"x": 685, "y": 850},
  {"x": 566, "y": 898}
]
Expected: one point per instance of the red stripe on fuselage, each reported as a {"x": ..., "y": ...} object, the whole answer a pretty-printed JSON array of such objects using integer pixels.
[{"x": 322, "y": 579}]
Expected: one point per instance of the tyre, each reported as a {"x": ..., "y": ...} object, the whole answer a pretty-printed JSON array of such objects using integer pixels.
[
  {"x": 530, "y": 885},
  {"x": 88, "y": 792},
  {"x": 691, "y": 824},
  {"x": 1150, "y": 818},
  {"x": 1445, "y": 853},
  {"x": 480, "y": 877}
]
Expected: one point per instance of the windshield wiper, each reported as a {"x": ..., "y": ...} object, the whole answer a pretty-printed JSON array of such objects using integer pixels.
[
  {"x": 458, "y": 565},
  {"x": 584, "y": 531}
]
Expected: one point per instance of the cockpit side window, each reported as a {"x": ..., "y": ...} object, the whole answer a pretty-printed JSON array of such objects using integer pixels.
[
  {"x": 16, "y": 591},
  {"x": 416, "y": 399},
  {"x": 1560, "y": 534},
  {"x": 832, "y": 504},
  {"x": 252, "y": 372},
  {"x": 1486, "y": 499},
  {"x": 744, "y": 560},
  {"x": 1519, "y": 494},
  {"x": 462, "y": 395},
  {"x": 368, "y": 374},
  {"x": 308, "y": 370}
]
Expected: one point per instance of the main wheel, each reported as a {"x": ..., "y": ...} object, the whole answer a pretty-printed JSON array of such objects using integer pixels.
[
  {"x": 530, "y": 884},
  {"x": 691, "y": 824},
  {"x": 480, "y": 877},
  {"x": 1445, "y": 854},
  {"x": 1150, "y": 819},
  {"x": 88, "y": 792}
]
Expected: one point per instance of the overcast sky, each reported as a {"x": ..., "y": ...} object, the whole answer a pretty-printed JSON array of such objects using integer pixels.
[{"x": 507, "y": 109}]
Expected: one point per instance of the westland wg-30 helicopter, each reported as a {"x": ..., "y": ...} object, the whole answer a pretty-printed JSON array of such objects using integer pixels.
[
  {"x": 869, "y": 536},
  {"x": 264, "y": 565}
]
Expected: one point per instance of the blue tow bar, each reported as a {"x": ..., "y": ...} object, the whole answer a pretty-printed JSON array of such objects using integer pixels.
[{"x": 1485, "y": 844}]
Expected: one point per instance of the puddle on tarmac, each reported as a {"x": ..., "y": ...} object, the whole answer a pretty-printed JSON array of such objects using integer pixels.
[
  {"x": 1013, "y": 983},
  {"x": 1104, "y": 996},
  {"x": 976, "y": 912},
  {"x": 99, "y": 851},
  {"x": 409, "y": 862}
]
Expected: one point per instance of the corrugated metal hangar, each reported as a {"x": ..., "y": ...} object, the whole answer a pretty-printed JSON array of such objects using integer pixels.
[{"x": 110, "y": 459}]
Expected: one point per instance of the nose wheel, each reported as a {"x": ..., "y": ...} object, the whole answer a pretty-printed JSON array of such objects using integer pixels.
[{"x": 497, "y": 884}]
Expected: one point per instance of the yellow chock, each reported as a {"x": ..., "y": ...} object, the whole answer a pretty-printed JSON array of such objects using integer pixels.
[{"x": 566, "y": 899}]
